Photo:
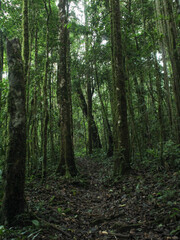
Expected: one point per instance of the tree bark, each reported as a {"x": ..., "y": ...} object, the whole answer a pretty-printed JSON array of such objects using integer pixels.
[
  {"x": 14, "y": 201},
  {"x": 122, "y": 149},
  {"x": 89, "y": 84},
  {"x": 45, "y": 100},
  {"x": 66, "y": 144},
  {"x": 96, "y": 143},
  {"x": 174, "y": 53}
]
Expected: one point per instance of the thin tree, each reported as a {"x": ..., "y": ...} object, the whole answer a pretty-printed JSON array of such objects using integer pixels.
[
  {"x": 63, "y": 84},
  {"x": 1, "y": 57},
  {"x": 45, "y": 82},
  {"x": 122, "y": 145}
]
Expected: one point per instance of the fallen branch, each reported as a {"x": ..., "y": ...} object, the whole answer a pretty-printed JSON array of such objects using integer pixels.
[{"x": 127, "y": 236}]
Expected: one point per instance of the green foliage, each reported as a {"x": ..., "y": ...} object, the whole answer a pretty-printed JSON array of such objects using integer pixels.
[
  {"x": 19, "y": 234},
  {"x": 171, "y": 154},
  {"x": 36, "y": 223},
  {"x": 175, "y": 231}
]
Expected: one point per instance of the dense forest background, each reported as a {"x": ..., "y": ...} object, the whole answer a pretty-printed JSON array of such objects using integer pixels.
[
  {"x": 150, "y": 46},
  {"x": 97, "y": 78}
]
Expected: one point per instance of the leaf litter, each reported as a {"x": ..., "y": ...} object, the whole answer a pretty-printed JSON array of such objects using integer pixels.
[{"x": 143, "y": 205}]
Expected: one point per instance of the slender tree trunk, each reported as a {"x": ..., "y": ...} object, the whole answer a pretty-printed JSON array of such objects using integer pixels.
[
  {"x": 25, "y": 57},
  {"x": 105, "y": 116},
  {"x": 1, "y": 59},
  {"x": 66, "y": 145},
  {"x": 51, "y": 120},
  {"x": 14, "y": 201},
  {"x": 89, "y": 85},
  {"x": 25, "y": 46},
  {"x": 160, "y": 109},
  {"x": 174, "y": 53},
  {"x": 122, "y": 161},
  {"x": 95, "y": 135},
  {"x": 45, "y": 100},
  {"x": 35, "y": 137},
  {"x": 164, "y": 59}
]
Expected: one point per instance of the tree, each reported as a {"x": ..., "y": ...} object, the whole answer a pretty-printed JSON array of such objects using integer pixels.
[
  {"x": 66, "y": 145},
  {"x": 1, "y": 57},
  {"x": 45, "y": 112},
  {"x": 122, "y": 146},
  {"x": 14, "y": 201},
  {"x": 96, "y": 143},
  {"x": 174, "y": 54}
]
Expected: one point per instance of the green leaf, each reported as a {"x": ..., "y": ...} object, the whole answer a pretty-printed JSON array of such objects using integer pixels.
[
  {"x": 175, "y": 231},
  {"x": 35, "y": 223},
  {"x": 2, "y": 229},
  {"x": 59, "y": 210}
]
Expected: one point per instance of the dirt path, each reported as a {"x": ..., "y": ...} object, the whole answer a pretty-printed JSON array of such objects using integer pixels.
[{"x": 91, "y": 207}]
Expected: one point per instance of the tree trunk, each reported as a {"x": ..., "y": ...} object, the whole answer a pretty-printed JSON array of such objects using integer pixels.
[
  {"x": 173, "y": 48},
  {"x": 1, "y": 60},
  {"x": 122, "y": 160},
  {"x": 45, "y": 100},
  {"x": 66, "y": 144},
  {"x": 89, "y": 84},
  {"x": 14, "y": 201},
  {"x": 105, "y": 115},
  {"x": 164, "y": 59},
  {"x": 96, "y": 143}
]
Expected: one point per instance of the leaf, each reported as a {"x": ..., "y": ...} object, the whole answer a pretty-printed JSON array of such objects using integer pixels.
[
  {"x": 175, "y": 231},
  {"x": 1, "y": 230},
  {"x": 59, "y": 210},
  {"x": 122, "y": 205},
  {"x": 52, "y": 199},
  {"x": 36, "y": 223}
]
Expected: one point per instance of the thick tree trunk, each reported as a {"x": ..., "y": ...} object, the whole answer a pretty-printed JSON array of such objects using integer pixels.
[{"x": 14, "y": 201}]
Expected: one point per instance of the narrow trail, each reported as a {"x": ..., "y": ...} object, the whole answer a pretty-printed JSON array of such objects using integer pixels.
[{"x": 92, "y": 207}]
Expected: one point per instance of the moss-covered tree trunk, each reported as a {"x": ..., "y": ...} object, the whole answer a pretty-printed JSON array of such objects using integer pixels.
[
  {"x": 66, "y": 144},
  {"x": 1, "y": 61},
  {"x": 1, "y": 57},
  {"x": 122, "y": 145},
  {"x": 14, "y": 201}
]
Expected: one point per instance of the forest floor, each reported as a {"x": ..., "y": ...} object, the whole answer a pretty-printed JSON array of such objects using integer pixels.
[{"x": 144, "y": 205}]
